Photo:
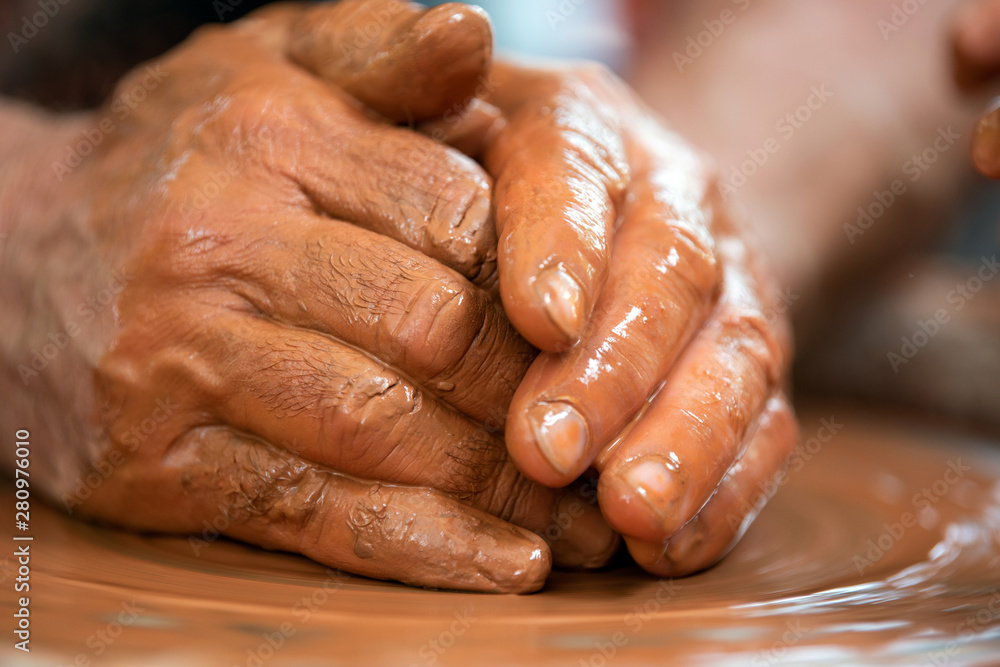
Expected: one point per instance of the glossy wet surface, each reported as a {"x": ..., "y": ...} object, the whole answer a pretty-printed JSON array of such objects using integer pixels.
[{"x": 884, "y": 548}]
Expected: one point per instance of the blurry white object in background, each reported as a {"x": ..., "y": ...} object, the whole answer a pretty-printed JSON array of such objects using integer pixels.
[{"x": 590, "y": 29}]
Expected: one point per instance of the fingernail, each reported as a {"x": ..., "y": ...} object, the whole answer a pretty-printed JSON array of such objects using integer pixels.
[
  {"x": 562, "y": 298},
  {"x": 986, "y": 143},
  {"x": 561, "y": 433},
  {"x": 655, "y": 483},
  {"x": 579, "y": 536}
]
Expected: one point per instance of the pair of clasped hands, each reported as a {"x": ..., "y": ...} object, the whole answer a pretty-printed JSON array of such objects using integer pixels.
[{"x": 421, "y": 315}]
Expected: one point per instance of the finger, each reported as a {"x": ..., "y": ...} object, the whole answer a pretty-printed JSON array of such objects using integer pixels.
[
  {"x": 469, "y": 132},
  {"x": 663, "y": 284},
  {"x": 392, "y": 181},
  {"x": 329, "y": 403},
  {"x": 975, "y": 44},
  {"x": 333, "y": 405},
  {"x": 560, "y": 175},
  {"x": 407, "y": 62},
  {"x": 668, "y": 465},
  {"x": 407, "y": 310},
  {"x": 251, "y": 491},
  {"x": 569, "y": 519},
  {"x": 741, "y": 496}
]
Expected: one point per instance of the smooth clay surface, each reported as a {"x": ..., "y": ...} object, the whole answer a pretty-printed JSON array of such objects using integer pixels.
[{"x": 882, "y": 548}]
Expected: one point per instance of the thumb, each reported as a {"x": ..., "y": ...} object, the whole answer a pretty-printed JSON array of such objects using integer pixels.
[{"x": 407, "y": 62}]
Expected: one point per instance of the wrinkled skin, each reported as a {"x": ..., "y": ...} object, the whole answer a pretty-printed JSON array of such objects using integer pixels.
[
  {"x": 664, "y": 361},
  {"x": 286, "y": 356},
  {"x": 300, "y": 347}
]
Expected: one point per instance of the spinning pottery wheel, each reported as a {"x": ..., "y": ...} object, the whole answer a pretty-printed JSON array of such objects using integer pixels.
[{"x": 883, "y": 548}]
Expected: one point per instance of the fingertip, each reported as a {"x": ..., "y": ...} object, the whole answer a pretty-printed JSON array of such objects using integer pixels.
[
  {"x": 562, "y": 301},
  {"x": 579, "y": 536},
  {"x": 548, "y": 307},
  {"x": 521, "y": 564},
  {"x": 402, "y": 60},
  {"x": 561, "y": 434},
  {"x": 460, "y": 230},
  {"x": 669, "y": 558},
  {"x": 549, "y": 441},
  {"x": 434, "y": 541},
  {"x": 641, "y": 498},
  {"x": 453, "y": 42}
]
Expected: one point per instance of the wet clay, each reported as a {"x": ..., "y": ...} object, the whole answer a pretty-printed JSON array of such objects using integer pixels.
[{"x": 885, "y": 540}]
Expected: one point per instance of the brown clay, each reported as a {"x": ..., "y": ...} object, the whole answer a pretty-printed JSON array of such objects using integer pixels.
[{"x": 789, "y": 593}]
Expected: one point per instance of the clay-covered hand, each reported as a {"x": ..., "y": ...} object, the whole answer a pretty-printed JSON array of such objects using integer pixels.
[
  {"x": 238, "y": 301},
  {"x": 664, "y": 357},
  {"x": 976, "y": 47}
]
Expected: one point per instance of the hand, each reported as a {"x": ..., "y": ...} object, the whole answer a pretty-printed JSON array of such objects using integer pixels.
[
  {"x": 241, "y": 270},
  {"x": 665, "y": 354}
]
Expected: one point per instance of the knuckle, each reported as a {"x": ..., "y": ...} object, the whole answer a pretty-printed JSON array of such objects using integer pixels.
[
  {"x": 683, "y": 260},
  {"x": 699, "y": 249},
  {"x": 368, "y": 277},
  {"x": 442, "y": 325},
  {"x": 597, "y": 151},
  {"x": 377, "y": 394},
  {"x": 462, "y": 231},
  {"x": 756, "y": 340},
  {"x": 286, "y": 375},
  {"x": 509, "y": 494},
  {"x": 259, "y": 485},
  {"x": 251, "y": 117}
]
